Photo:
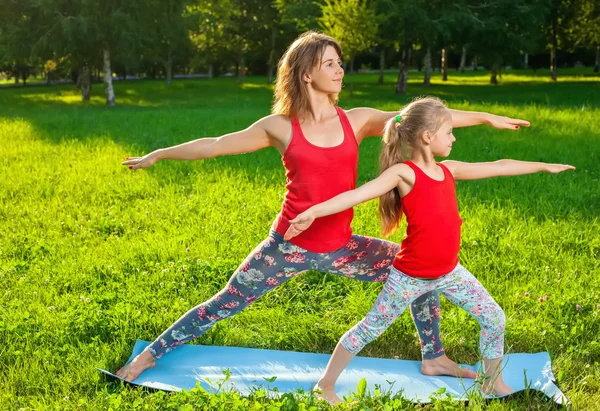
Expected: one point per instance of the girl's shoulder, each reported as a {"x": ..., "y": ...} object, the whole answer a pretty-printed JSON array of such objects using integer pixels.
[{"x": 404, "y": 171}]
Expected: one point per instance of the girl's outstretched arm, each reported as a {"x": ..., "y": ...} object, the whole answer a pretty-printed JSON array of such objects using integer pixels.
[
  {"x": 388, "y": 180},
  {"x": 259, "y": 135},
  {"x": 477, "y": 171}
]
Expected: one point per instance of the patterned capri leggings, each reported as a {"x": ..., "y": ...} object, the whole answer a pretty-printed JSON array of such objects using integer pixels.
[
  {"x": 459, "y": 286},
  {"x": 276, "y": 261}
]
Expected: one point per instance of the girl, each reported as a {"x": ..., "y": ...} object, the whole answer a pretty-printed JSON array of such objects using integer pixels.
[
  {"x": 424, "y": 191},
  {"x": 319, "y": 143}
]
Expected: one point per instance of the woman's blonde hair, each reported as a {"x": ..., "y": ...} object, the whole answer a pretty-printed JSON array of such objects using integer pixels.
[
  {"x": 302, "y": 56},
  {"x": 399, "y": 139}
]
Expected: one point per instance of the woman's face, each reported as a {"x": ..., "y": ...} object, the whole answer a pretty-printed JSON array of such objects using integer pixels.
[{"x": 327, "y": 76}]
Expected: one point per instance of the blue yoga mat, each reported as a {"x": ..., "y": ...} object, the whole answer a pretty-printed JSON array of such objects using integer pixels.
[{"x": 250, "y": 367}]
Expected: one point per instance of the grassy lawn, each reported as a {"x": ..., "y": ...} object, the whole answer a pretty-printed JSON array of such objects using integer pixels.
[{"x": 93, "y": 256}]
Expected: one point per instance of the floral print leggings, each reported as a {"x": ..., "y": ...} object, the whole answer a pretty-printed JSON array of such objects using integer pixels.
[
  {"x": 459, "y": 286},
  {"x": 276, "y": 261}
]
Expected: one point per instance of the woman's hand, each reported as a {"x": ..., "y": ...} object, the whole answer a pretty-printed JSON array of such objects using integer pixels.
[
  {"x": 141, "y": 162},
  {"x": 506, "y": 123},
  {"x": 299, "y": 224}
]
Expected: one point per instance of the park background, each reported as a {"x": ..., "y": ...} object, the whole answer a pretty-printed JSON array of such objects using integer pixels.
[{"x": 93, "y": 256}]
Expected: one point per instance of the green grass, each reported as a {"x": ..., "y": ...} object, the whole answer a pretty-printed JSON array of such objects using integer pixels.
[{"x": 93, "y": 256}]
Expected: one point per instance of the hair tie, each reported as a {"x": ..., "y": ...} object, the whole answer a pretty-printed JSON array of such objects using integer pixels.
[{"x": 398, "y": 118}]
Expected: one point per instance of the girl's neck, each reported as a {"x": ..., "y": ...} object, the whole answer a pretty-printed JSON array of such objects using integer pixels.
[{"x": 423, "y": 157}]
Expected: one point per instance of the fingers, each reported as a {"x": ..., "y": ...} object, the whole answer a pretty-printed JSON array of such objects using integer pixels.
[
  {"x": 291, "y": 232},
  {"x": 518, "y": 122},
  {"x": 130, "y": 161}
]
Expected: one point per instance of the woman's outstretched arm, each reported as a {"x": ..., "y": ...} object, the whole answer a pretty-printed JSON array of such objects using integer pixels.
[
  {"x": 265, "y": 132},
  {"x": 371, "y": 122}
]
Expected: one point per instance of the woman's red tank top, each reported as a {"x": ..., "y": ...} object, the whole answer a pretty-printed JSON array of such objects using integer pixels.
[{"x": 316, "y": 174}]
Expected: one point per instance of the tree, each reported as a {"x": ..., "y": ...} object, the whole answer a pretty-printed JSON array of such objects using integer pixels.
[
  {"x": 557, "y": 30},
  {"x": 19, "y": 27},
  {"x": 169, "y": 36},
  {"x": 353, "y": 23},
  {"x": 502, "y": 28},
  {"x": 585, "y": 30},
  {"x": 90, "y": 32},
  {"x": 209, "y": 24}
]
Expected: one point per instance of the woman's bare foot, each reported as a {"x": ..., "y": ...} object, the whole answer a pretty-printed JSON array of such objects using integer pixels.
[
  {"x": 445, "y": 366},
  {"x": 327, "y": 393},
  {"x": 499, "y": 388},
  {"x": 142, "y": 362}
]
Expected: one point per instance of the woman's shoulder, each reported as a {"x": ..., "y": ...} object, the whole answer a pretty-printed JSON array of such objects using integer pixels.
[{"x": 277, "y": 126}]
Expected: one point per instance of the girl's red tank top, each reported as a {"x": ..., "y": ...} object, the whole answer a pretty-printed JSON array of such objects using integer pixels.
[
  {"x": 316, "y": 174},
  {"x": 432, "y": 241}
]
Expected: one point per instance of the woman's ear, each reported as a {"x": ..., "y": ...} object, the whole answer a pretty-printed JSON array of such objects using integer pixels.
[{"x": 306, "y": 78}]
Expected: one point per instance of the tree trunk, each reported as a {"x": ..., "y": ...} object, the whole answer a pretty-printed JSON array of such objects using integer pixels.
[
  {"x": 169, "y": 67},
  {"x": 553, "y": 48},
  {"x": 271, "y": 68},
  {"x": 211, "y": 70},
  {"x": 494, "y": 77},
  {"x": 403, "y": 72},
  {"x": 427, "y": 77},
  {"x": 597, "y": 65},
  {"x": 108, "y": 86},
  {"x": 352, "y": 64},
  {"x": 553, "y": 63},
  {"x": 242, "y": 68},
  {"x": 463, "y": 59},
  {"x": 444, "y": 65},
  {"x": 526, "y": 61},
  {"x": 381, "y": 65},
  {"x": 85, "y": 82},
  {"x": 16, "y": 77},
  {"x": 474, "y": 63},
  {"x": 24, "y": 77}
]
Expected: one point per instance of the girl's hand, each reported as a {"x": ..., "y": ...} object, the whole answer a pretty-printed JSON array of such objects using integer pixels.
[
  {"x": 299, "y": 224},
  {"x": 507, "y": 123},
  {"x": 558, "y": 168},
  {"x": 141, "y": 162}
]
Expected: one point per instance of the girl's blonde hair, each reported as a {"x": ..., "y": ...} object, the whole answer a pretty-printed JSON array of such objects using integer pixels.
[
  {"x": 400, "y": 138},
  {"x": 304, "y": 54}
]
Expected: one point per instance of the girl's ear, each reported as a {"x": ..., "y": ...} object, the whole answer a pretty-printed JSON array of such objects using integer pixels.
[{"x": 427, "y": 137}]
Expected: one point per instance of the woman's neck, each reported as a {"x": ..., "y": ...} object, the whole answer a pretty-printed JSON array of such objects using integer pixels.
[{"x": 320, "y": 108}]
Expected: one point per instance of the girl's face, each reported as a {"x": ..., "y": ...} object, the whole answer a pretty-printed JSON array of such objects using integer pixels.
[
  {"x": 441, "y": 142},
  {"x": 327, "y": 76}
]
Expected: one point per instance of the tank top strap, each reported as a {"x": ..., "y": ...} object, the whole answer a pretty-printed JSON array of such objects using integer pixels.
[
  {"x": 447, "y": 173},
  {"x": 346, "y": 126},
  {"x": 413, "y": 166}
]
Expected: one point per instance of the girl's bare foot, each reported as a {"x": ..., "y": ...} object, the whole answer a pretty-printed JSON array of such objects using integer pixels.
[
  {"x": 445, "y": 366},
  {"x": 499, "y": 388},
  {"x": 142, "y": 362},
  {"x": 327, "y": 393}
]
